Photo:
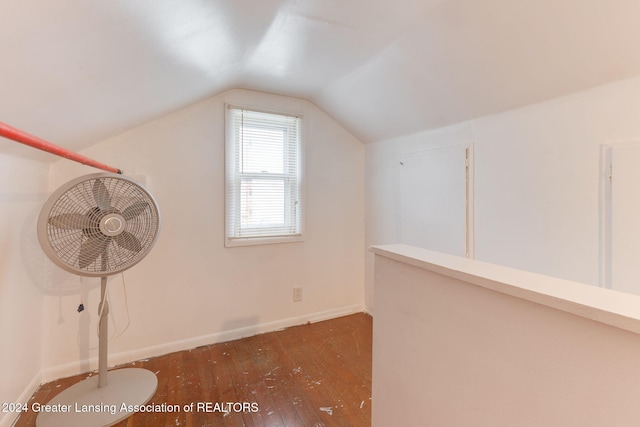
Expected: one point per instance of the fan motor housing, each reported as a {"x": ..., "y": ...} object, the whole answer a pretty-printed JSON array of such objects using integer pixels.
[{"x": 112, "y": 224}]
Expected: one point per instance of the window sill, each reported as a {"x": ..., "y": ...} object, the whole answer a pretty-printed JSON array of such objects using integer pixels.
[{"x": 253, "y": 241}]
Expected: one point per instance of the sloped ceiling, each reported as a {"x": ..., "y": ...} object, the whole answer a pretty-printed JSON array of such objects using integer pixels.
[{"x": 77, "y": 71}]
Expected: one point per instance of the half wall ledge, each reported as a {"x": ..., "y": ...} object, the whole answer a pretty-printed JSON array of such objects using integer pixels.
[{"x": 607, "y": 306}]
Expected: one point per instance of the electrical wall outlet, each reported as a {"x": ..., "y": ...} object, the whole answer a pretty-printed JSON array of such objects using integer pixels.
[{"x": 297, "y": 294}]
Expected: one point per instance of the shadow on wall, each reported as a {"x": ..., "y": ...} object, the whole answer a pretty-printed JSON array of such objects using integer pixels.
[
  {"x": 51, "y": 280},
  {"x": 248, "y": 325},
  {"x": 42, "y": 273}
]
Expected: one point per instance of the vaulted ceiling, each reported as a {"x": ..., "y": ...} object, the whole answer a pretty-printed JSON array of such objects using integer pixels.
[{"x": 77, "y": 71}]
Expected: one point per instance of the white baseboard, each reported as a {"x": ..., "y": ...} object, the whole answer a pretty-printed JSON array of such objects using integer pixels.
[
  {"x": 10, "y": 418},
  {"x": 79, "y": 367}
]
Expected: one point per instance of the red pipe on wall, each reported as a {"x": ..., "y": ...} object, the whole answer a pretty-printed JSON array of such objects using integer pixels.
[{"x": 35, "y": 142}]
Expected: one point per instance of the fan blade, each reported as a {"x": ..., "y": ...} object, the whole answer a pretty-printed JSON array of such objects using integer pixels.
[
  {"x": 128, "y": 241},
  {"x": 101, "y": 195},
  {"x": 91, "y": 249},
  {"x": 70, "y": 221},
  {"x": 134, "y": 210}
]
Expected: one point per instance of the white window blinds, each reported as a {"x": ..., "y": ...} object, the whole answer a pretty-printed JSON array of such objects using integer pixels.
[{"x": 263, "y": 165}]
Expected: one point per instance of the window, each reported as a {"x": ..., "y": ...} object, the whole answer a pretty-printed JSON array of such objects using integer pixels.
[{"x": 263, "y": 177}]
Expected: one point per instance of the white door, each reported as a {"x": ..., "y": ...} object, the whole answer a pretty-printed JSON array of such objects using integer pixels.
[
  {"x": 624, "y": 212},
  {"x": 435, "y": 202}
]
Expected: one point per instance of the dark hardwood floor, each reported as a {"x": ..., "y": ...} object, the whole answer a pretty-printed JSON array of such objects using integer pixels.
[{"x": 311, "y": 375}]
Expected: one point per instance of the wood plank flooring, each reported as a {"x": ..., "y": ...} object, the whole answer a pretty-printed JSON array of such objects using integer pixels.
[{"x": 311, "y": 375}]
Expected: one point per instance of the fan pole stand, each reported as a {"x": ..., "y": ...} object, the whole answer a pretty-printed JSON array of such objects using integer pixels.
[{"x": 103, "y": 400}]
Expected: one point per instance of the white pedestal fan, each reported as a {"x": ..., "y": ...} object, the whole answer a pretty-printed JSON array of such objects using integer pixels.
[{"x": 99, "y": 225}]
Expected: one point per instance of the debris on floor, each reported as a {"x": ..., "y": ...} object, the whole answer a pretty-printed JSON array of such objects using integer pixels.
[{"x": 327, "y": 409}]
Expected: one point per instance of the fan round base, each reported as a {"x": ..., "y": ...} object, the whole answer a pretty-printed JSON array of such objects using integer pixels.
[{"x": 85, "y": 404}]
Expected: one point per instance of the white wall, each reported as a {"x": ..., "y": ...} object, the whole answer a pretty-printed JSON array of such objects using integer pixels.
[
  {"x": 191, "y": 290},
  {"x": 23, "y": 188},
  {"x": 536, "y": 180},
  {"x": 454, "y": 346}
]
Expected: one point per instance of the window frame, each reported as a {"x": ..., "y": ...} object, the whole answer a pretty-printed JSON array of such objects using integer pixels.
[{"x": 233, "y": 179}]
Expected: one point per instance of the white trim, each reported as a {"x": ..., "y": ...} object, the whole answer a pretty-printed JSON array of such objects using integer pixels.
[
  {"x": 251, "y": 241},
  {"x": 470, "y": 203},
  {"x": 604, "y": 207},
  {"x": 79, "y": 367},
  {"x": 10, "y": 419},
  {"x": 229, "y": 106},
  {"x": 231, "y": 189}
]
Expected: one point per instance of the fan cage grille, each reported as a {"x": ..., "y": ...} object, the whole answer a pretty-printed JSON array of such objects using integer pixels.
[{"x": 82, "y": 246}]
